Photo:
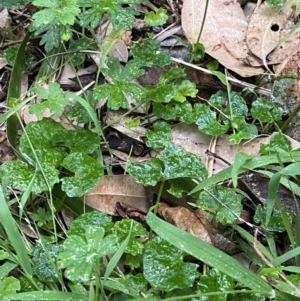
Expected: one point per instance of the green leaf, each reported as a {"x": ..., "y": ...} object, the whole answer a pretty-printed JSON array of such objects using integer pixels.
[
  {"x": 44, "y": 261},
  {"x": 133, "y": 122},
  {"x": 166, "y": 112},
  {"x": 81, "y": 141},
  {"x": 146, "y": 54},
  {"x": 41, "y": 135},
  {"x": 171, "y": 74},
  {"x": 149, "y": 173},
  {"x": 12, "y": 3},
  {"x": 208, "y": 254},
  {"x": 160, "y": 136},
  {"x": 10, "y": 54},
  {"x": 78, "y": 253},
  {"x": 275, "y": 223},
  {"x": 213, "y": 66},
  {"x": 243, "y": 130},
  {"x": 157, "y": 18},
  {"x": 184, "y": 89},
  {"x": 9, "y": 285},
  {"x": 14, "y": 236},
  {"x": 265, "y": 111},
  {"x": 206, "y": 121},
  {"x": 138, "y": 235},
  {"x": 78, "y": 111},
  {"x": 181, "y": 164},
  {"x": 164, "y": 268},
  {"x": 87, "y": 174},
  {"x": 198, "y": 51},
  {"x": 93, "y": 219},
  {"x": 214, "y": 281},
  {"x": 222, "y": 201},
  {"x": 278, "y": 143},
  {"x": 63, "y": 11},
  {"x": 78, "y": 58},
  {"x": 51, "y": 34},
  {"x": 55, "y": 100},
  {"x": 290, "y": 170},
  {"x": 120, "y": 17},
  {"x": 17, "y": 175},
  {"x": 161, "y": 93}
]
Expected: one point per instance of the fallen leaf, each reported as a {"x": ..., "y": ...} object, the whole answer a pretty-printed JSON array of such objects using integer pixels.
[
  {"x": 224, "y": 32},
  {"x": 192, "y": 140},
  {"x": 119, "y": 188},
  {"x": 268, "y": 25},
  {"x": 186, "y": 220}
]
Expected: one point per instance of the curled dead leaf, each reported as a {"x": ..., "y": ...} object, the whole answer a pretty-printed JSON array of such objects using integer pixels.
[{"x": 224, "y": 32}]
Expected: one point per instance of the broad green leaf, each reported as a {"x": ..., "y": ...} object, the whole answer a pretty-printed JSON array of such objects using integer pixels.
[
  {"x": 120, "y": 17},
  {"x": 121, "y": 74},
  {"x": 149, "y": 173},
  {"x": 135, "y": 245},
  {"x": 44, "y": 261},
  {"x": 171, "y": 74},
  {"x": 207, "y": 122},
  {"x": 243, "y": 130},
  {"x": 159, "y": 136},
  {"x": 162, "y": 93},
  {"x": 133, "y": 122},
  {"x": 9, "y": 285},
  {"x": 116, "y": 97},
  {"x": 10, "y": 54},
  {"x": 157, "y": 18},
  {"x": 94, "y": 219},
  {"x": 54, "y": 98},
  {"x": 41, "y": 135},
  {"x": 224, "y": 202},
  {"x": 79, "y": 253},
  {"x": 165, "y": 112},
  {"x": 51, "y": 36},
  {"x": 84, "y": 43},
  {"x": 81, "y": 141},
  {"x": 17, "y": 175},
  {"x": 146, "y": 54},
  {"x": 214, "y": 281},
  {"x": 184, "y": 89},
  {"x": 181, "y": 164},
  {"x": 265, "y": 111},
  {"x": 87, "y": 174},
  {"x": 179, "y": 185},
  {"x": 164, "y": 268},
  {"x": 12, "y": 3},
  {"x": 213, "y": 257},
  {"x": 64, "y": 11},
  {"x": 278, "y": 142},
  {"x": 275, "y": 222}
]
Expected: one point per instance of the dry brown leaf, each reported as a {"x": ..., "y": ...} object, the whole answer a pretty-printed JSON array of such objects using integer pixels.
[
  {"x": 196, "y": 222},
  {"x": 118, "y": 188},
  {"x": 186, "y": 220},
  {"x": 268, "y": 25},
  {"x": 224, "y": 32}
]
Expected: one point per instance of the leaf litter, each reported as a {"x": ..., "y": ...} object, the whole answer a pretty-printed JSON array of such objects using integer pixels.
[{"x": 174, "y": 152}]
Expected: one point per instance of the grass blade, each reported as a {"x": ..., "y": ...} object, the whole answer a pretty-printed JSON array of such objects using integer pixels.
[
  {"x": 208, "y": 254},
  {"x": 14, "y": 235}
]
